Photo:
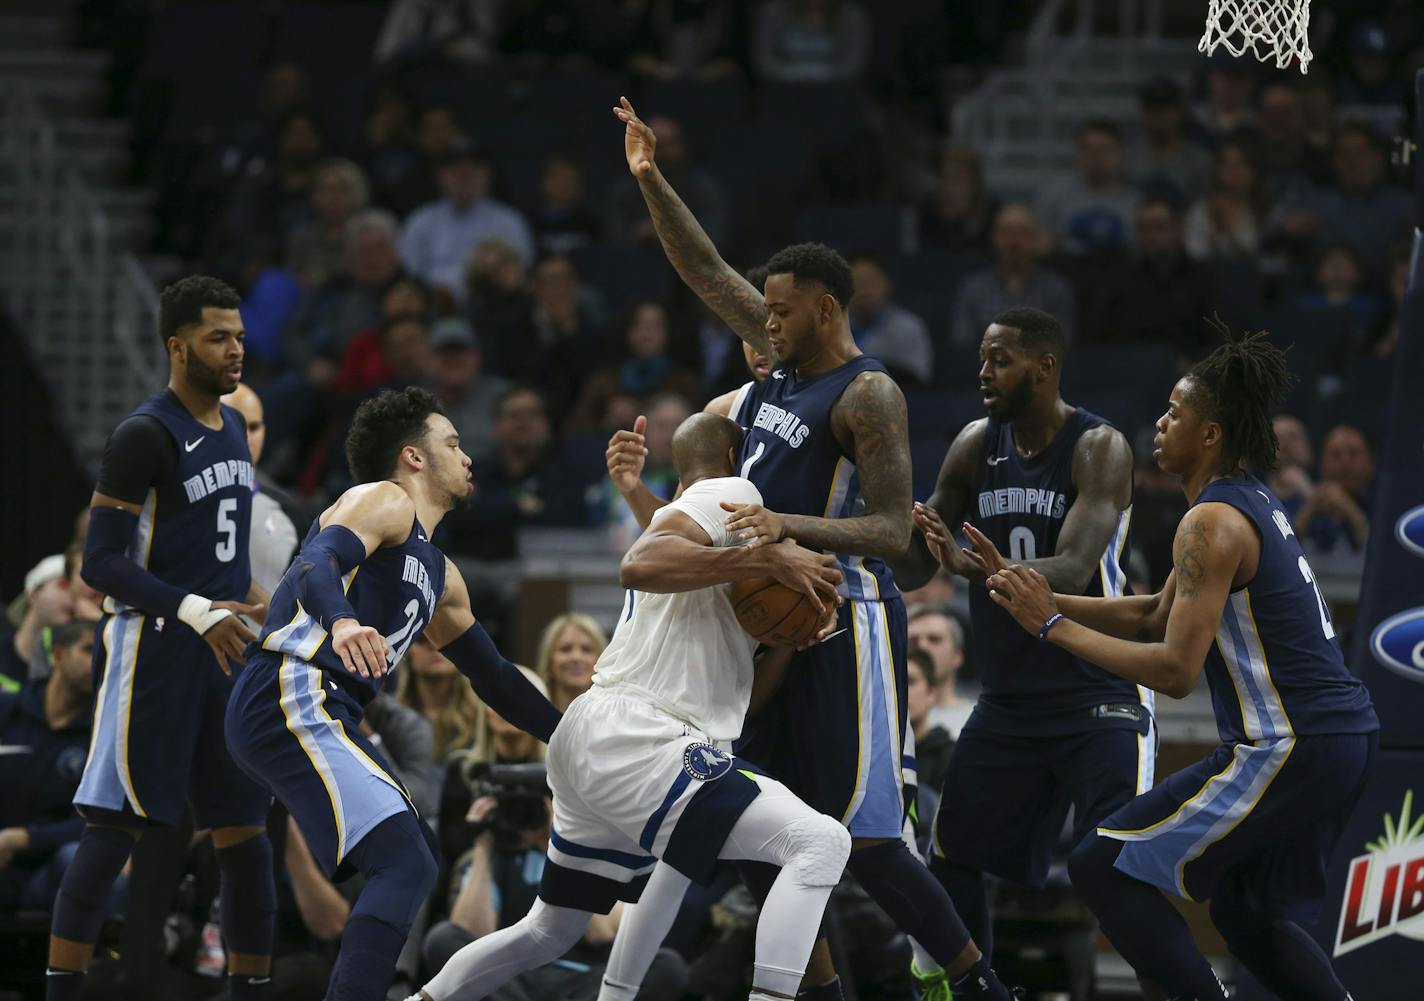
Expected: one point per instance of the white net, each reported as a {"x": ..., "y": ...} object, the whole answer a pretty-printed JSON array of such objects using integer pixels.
[{"x": 1269, "y": 29}]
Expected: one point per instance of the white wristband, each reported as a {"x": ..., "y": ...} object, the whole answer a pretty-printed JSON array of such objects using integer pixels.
[{"x": 199, "y": 613}]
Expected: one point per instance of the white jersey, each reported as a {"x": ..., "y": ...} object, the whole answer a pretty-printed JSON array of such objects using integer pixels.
[{"x": 685, "y": 653}]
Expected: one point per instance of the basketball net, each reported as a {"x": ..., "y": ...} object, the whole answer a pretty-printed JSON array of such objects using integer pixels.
[{"x": 1268, "y": 29}]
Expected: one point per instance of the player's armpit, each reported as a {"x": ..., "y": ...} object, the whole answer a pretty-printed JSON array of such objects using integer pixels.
[
  {"x": 950, "y": 499},
  {"x": 870, "y": 418},
  {"x": 379, "y": 514}
]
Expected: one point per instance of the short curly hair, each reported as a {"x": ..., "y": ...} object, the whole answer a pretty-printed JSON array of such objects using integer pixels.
[
  {"x": 181, "y": 304},
  {"x": 384, "y": 425},
  {"x": 814, "y": 262}
]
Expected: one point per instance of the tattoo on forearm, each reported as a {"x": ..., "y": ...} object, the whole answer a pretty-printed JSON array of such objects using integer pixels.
[
  {"x": 1189, "y": 557},
  {"x": 695, "y": 257},
  {"x": 872, "y": 413}
]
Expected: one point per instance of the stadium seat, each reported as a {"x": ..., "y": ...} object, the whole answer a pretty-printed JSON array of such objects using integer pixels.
[{"x": 878, "y": 228}]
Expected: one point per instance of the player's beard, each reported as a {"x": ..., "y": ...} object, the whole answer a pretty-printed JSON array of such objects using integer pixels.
[
  {"x": 1017, "y": 401},
  {"x": 204, "y": 377}
]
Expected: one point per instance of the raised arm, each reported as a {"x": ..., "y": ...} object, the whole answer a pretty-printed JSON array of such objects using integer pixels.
[
  {"x": 499, "y": 684},
  {"x": 1213, "y": 543},
  {"x": 870, "y": 419},
  {"x": 688, "y": 247},
  {"x": 951, "y": 501}
]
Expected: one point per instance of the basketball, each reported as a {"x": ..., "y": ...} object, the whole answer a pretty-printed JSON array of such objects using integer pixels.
[{"x": 774, "y": 613}]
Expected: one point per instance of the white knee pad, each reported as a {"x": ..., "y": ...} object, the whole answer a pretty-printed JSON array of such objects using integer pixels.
[
  {"x": 819, "y": 847},
  {"x": 553, "y": 931}
]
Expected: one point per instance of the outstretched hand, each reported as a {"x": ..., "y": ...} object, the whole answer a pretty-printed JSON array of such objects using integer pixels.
[
  {"x": 639, "y": 142},
  {"x": 942, "y": 544},
  {"x": 626, "y": 453}
]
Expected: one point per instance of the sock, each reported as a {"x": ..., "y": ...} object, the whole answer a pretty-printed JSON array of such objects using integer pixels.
[
  {"x": 1279, "y": 952},
  {"x": 247, "y": 901},
  {"x": 241, "y": 987},
  {"x": 965, "y": 887},
  {"x": 979, "y": 981},
  {"x": 1145, "y": 929},
  {"x": 63, "y": 985},
  {"x": 830, "y": 991},
  {"x": 913, "y": 898}
]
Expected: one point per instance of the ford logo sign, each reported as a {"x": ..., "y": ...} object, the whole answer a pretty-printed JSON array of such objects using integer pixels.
[
  {"x": 1398, "y": 644},
  {"x": 1409, "y": 530}
]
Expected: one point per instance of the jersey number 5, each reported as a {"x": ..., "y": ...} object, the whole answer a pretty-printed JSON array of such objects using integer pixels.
[{"x": 226, "y": 548}]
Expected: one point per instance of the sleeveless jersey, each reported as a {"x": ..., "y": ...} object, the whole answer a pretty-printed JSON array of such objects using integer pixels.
[
  {"x": 1275, "y": 669},
  {"x": 791, "y": 455},
  {"x": 1020, "y": 505},
  {"x": 193, "y": 529},
  {"x": 394, "y": 591}
]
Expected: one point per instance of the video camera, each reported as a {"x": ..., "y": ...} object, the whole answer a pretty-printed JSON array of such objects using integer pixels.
[{"x": 519, "y": 789}]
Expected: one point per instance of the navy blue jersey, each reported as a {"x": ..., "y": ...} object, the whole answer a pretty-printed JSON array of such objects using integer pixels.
[
  {"x": 791, "y": 455},
  {"x": 1275, "y": 669},
  {"x": 194, "y": 525},
  {"x": 394, "y": 591},
  {"x": 1020, "y": 505}
]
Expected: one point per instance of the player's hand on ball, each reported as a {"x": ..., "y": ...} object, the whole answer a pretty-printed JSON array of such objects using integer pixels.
[
  {"x": 830, "y": 620},
  {"x": 229, "y": 636},
  {"x": 363, "y": 650},
  {"x": 942, "y": 544},
  {"x": 816, "y": 575},
  {"x": 626, "y": 455},
  {"x": 1025, "y": 594},
  {"x": 754, "y": 524},
  {"x": 639, "y": 142}
]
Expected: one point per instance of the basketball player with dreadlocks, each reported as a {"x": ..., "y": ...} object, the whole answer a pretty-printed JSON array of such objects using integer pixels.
[{"x": 1252, "y": 825}]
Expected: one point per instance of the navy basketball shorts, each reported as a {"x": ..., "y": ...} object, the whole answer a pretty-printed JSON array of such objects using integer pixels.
[
  {"x": 838, "y": 739},
  {"x": 1006, "y": 796},
  {"x": 158, "y": 730},
  {"x": 1262, "y": 817},
  {"x": 632, "y": 786},
  {"x": 298, "y": 732}
]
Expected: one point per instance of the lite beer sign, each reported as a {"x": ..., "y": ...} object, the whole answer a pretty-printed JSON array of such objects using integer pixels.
[{"x": 1384, "y": 892}]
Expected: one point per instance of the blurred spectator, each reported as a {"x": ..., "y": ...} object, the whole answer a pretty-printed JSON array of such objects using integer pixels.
[
  {"x": 563, "y": 221},
  {"x": 363, "y": 365},
  {"x": 432, "y": 686},
  {"x": 568, "y": 648},
  {"x": 933, "y": 743},
  {"x": 461, "y": 31},
  {"x": 558, "y": 339},
  {"x": 1339, "y": 294},
  {"x": 1092, "y": 211},
  {"x": 396, "y": 354},
  {"x": 627, "y": 219},
  {"x": 962, "y": 213},
  {"x": 273, "y": 537},
  {"x": 1383, "y": 341},
  {"x": 498, "y": 300},
  {"x": 389, "y": 151},
  {"x": 1317, "y": 98},
  {"x": 438, "y": 131},
  {"x": 1161, "y": 295},
  {"x": 1163, "y": 156},
  {"x": 316, "y": 249},
  {"x": 44, "y": 728},
  {"x": 810, "y": 41},
  {"x": 1336, "y": 514},
  {"x": 1014, "y": 279},
  {"x": 939, "y": 634},
  {"x": 437, "y": 239},
  {"x": 1363, "y": 211},
  {"x": 1226, "y": 109},
  {"x": 521, "y": 483},
  {"x": 1290, "y": 480},
  {"x": 462, "y": 386},
  {"x": 1370, "y": 88},
  {"x": 1227, "y": 222},
  {"x": 274, "y": 195},
  {"x": 644, "y": 368},
  {"x": 884, "y": 330},
  {"x": 1290, "y": 164},
  {"x": 49, "y": 603},
  {"x": 674, "y": 39}
]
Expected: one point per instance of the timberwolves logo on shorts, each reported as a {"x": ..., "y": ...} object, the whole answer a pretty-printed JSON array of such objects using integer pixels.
[{"x": 705, "y": 761}]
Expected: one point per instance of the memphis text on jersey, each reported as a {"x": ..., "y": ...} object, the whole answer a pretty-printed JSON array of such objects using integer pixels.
[
  {"x": 414, "y": 572},
  {"x": 217, "y": 477},
  {"x": 782, "y": 423},
  {"x": 1384, "y": 890},
  {"x": 1022, "y": 500}
]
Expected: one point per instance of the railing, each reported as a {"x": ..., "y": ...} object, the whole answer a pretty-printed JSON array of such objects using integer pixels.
[{"x": 85, "y": 304}]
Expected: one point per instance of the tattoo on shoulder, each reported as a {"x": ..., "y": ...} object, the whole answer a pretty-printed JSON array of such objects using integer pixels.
[{"x": 1189, "y": 557}]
